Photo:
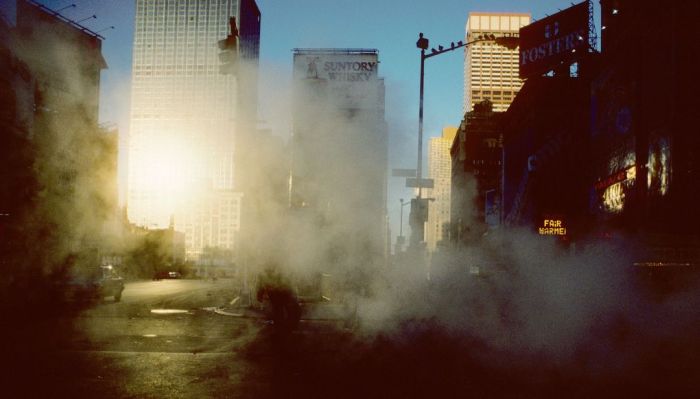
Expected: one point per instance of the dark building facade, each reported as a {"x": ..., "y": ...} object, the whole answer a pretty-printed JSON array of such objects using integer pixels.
[
  {"x": 249, "y": 49},
  {"x": 644, "y": 118},
  {"x": 476, "y": 170},
  {"x": 66, "y": 60},
  {"x": 56, "y": 161},
  {"x": 545, "y": 157},
  {"x": 612, "y": 151}
]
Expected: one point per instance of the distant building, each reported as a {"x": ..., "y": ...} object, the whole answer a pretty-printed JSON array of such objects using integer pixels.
[
  {"x": 339, "y": 153},
  {"x": 491, "y": 70},
  {"x": 440, "y": 170},
  {"x": 186, "y": 116}
]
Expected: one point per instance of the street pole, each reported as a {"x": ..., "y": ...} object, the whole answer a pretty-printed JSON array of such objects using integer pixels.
[
  {"x": 419, "y": 169},
  {"x": 418, "y": 216}
]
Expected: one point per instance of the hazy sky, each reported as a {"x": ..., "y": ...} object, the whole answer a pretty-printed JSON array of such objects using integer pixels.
[{"x": 391, "y": 26}]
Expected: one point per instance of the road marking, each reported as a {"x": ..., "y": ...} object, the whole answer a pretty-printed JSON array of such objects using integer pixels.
[{"x": 169, "y": 311}]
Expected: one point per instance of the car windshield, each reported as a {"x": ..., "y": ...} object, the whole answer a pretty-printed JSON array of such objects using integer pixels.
[{"x": 108, "y": 272}]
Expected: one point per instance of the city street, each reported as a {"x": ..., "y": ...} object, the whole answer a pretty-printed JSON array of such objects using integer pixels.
[
  {"x": 157, "y": 342},
  {"x": 163, "y": 340},
  {"x": 261, "y": 199}
]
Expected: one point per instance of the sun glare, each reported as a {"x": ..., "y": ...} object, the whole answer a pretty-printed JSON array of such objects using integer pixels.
[{"x": 170, "y": 170}]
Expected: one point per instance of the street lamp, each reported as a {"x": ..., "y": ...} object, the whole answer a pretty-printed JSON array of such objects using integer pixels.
[{"x": 417, "y": 215}]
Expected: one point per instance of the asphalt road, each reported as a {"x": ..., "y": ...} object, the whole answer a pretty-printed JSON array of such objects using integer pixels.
[
  {"x": 160, "y": 341},
  {"x": 163, "y": 340}
]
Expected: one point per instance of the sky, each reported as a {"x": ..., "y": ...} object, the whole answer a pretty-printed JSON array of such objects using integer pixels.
[{"x": 391, "y": 26}]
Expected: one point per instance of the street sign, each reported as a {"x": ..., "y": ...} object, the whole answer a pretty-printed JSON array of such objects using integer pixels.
[
  {"x": 419, "y": 183},
  {"x": 403, "y": 172}
]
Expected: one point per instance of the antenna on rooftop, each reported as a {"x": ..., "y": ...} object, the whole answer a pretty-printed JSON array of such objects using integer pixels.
[
  {"x": 104, "y": 29},
  {"x": 85, "y": 19},
  {"x": 68, "y": 6}
]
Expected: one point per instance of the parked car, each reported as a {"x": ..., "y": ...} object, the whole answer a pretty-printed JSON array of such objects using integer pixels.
[
  {"x": 174, "y": 275},
  {"x": 110, "y": 284},
  {"x": 93, "y": 285},
  {"x": 166, "y": 274}
]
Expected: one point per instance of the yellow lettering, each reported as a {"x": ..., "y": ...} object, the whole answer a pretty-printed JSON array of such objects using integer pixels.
[{"x": 560, "y": 231}]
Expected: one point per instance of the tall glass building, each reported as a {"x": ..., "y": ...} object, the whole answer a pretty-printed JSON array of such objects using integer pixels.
[
  {"x": 185, "y": 117},
  {"x": 491, "y": 70}
]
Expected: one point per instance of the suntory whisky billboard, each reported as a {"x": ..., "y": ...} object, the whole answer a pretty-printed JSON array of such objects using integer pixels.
[{"x": 348, "y": 76}]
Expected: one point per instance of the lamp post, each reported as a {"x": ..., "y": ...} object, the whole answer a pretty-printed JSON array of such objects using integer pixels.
[{"x": 418, "y": 214}]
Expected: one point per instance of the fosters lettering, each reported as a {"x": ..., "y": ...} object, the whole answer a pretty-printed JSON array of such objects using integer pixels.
[
  {"x": 551, "y": 48},
  {"x": 559, "y": 39},
  {"x": 350, "y": 71}
]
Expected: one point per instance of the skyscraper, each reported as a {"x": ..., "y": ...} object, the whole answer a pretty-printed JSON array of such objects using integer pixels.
[
  {"x": 440, "y": 170},
  {"x": 184, "y": 118},
  {"x": 491, "y": 70}
]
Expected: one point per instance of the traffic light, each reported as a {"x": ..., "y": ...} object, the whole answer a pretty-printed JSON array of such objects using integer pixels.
[
  {"x": 422, "y": 42},
  {"x": 229, "y": 50}
]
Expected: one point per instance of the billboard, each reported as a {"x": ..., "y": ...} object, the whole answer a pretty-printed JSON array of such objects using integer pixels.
[
  {"x": 551, "y": 41},
  {"x": 350, "y": 77}
]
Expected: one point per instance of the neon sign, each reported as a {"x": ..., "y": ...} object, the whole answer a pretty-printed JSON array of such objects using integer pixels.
[{"x": 552, "y": 227}]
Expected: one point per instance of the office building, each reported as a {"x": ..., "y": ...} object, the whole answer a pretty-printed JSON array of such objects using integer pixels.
[
  {"x": 476, "y": 168},
  {"x": 339, "y": 151},
  {"x": 491, "y": 70},
  {"x": 185, "y": 116},
  {"x": 440, "y": 170}
]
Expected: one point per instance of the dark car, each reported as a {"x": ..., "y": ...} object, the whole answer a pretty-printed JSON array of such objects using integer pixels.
[
  {"x": 110, "y": 284},
  {"x": 96, "y": 284}
]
